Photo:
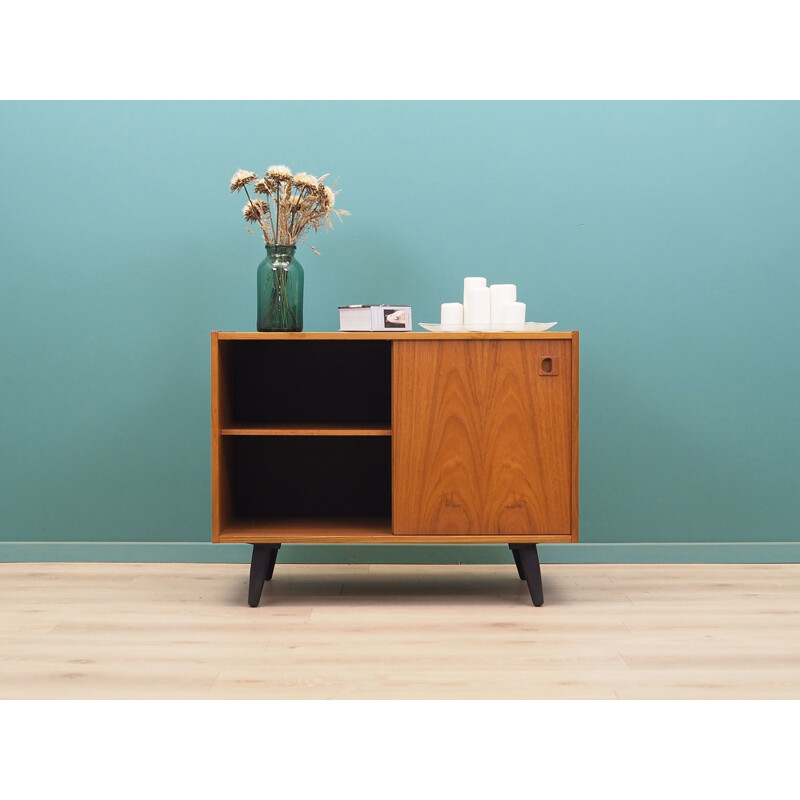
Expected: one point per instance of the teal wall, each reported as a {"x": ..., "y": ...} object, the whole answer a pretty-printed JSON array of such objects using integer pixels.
[{"x": 668, "y": 233}]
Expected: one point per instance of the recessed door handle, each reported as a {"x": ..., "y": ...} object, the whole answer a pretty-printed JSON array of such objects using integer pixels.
[{"x": 548, "y": 366}]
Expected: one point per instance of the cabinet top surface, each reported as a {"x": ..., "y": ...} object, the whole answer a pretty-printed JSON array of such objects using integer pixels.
[{"x": 412, "y": 335}]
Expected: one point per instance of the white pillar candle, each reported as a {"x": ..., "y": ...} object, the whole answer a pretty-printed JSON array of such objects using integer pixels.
[
  {"x": 514, "y": 314},
  {"x": 478, "y": 307},
  {"x": 502, "y": 293},
  {"x": 452, "y": 315},
  {"x": 469, "y": 284}
]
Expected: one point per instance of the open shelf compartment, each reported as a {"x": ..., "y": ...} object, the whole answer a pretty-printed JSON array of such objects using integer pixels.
[
  {"x": 305, "y": 387},
  {"x": 282, "y": 484}
]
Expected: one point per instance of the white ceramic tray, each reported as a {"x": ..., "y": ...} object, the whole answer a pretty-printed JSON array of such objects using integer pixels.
[{"x": 530, "y": 327}]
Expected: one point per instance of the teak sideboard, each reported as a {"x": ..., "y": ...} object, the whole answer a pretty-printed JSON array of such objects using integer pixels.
[{"x": 394, "y": 438}]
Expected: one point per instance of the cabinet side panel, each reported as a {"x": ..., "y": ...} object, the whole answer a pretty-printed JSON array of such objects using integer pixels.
[
  {"x": 219, "y": 400},
  {"x": 575, "y": 357},
  {"x": 482, "y": 437},
  {"x": 215, "y": 527}
]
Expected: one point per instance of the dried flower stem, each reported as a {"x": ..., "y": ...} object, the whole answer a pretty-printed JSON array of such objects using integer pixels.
[{"x": 278, "y": 206}]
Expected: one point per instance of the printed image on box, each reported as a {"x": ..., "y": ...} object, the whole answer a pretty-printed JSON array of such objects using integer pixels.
[
  {"x": 394, "y": 318},
  {"x": 375, "y": 318}
]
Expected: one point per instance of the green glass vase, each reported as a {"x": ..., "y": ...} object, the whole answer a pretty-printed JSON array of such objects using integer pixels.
[{"x": 280, "y": 290}]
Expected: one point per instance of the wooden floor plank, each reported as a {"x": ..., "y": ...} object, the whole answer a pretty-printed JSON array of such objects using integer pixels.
[{"x": 627, "y": 631}]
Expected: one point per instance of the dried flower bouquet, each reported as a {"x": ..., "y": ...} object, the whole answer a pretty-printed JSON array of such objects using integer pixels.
[{"x": 287, "y": 206}]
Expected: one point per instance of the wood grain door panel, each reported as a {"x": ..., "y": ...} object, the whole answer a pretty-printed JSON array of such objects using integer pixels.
[{"x": 481, "y": 434}]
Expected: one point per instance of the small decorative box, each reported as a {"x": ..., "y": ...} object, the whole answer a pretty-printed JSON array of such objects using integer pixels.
[{"x": 375, "y": 318}]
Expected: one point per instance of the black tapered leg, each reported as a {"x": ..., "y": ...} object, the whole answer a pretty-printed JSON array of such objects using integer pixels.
[
  {"x": 261, "y": 566},
  {"x": 515, "y": 552},
  {"x": 533, "y": 573},
  {"x": 273, "y": 557}
]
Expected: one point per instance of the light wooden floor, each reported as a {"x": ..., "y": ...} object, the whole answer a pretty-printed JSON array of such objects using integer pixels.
[{"x": 439, "y": 632}]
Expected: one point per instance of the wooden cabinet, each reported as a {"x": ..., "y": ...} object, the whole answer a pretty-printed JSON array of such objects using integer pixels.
[{"x": 394, "y": 437}]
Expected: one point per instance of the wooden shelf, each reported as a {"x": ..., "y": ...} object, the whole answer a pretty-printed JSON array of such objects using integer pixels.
[
  {"x": 294, "y": 529},
  {"x": 364, "y": 530},
  {"x": 307, "y": 429}
]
